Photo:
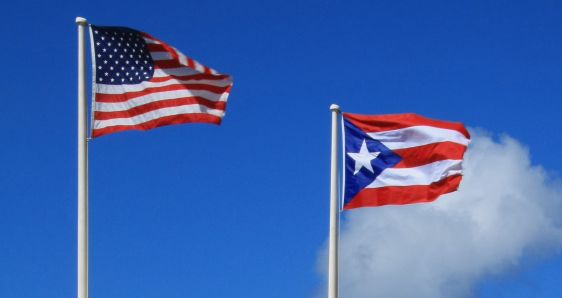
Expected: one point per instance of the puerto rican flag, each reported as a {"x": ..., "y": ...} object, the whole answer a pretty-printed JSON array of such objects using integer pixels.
[{"x": 400, "y": 159}]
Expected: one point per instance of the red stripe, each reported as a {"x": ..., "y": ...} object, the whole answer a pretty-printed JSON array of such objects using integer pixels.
[
  {"x": 152, "y": 47},
  {"x": 421, "y": 155},
  {"x": 102, "y": 97},
  {"x": 190, "y": 62},
  {"x": 162, "y": 47},
  {"x": 379, "y": 123},
  {"x": 156, "y": 105},
  {"x": 165, "y": 64},
  {"x": 168, "y": 120},
  {"x": 402, "y": 195},
  {"x": 201, "y": 76}
]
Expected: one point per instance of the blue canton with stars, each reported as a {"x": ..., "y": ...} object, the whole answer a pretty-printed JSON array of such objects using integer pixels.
[
  {"x": 355, "y": 182},
  {"x": 121, "y": 56}
]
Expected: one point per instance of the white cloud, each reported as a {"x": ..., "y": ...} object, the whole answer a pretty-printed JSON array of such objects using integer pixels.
[{"x": 505, "y": 209}]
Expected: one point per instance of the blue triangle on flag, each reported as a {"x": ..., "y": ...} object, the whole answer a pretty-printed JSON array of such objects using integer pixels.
[{"x": 355, "y": 182}]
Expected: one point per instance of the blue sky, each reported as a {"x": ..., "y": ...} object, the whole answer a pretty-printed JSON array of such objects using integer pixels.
[{"x": 241, "y": 210}]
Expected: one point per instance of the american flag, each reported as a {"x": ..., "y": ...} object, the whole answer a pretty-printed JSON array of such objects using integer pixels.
[{"x": 141, "y": 83}]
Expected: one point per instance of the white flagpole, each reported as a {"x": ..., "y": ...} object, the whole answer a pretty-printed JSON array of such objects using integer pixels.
[
  {"x": 334, "y": 209},
  {"x": 82, "y": 279}
]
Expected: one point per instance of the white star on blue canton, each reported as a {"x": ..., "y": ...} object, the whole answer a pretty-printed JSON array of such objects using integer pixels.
[{"x": 363, "y": 158}]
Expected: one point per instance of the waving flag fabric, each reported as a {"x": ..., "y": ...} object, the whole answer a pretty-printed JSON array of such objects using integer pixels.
[
  {"x": 400, "y": 159},
  {"x": 141, "y": 83}
]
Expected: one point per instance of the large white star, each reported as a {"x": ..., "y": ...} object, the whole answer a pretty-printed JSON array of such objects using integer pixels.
[{"x": 363, "y": 158}]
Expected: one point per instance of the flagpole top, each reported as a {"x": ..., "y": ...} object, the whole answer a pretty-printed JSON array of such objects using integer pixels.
[
  {"x": 334, "y": 108},
  {"x": 81, "y": 21}
]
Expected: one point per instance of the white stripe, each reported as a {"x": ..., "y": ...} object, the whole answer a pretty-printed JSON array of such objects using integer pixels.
[
  {"x": 160, "y": 56},
  {"x": 183, "y": 60},
  {"x": 148, "y": 40},
  {"x": 181, "y": 57},
  {"x": 188, "y": 109},
  {"x": 198, "y": 66},
  {"x": 422, "y": 175},
  {"x": 414, "y": 136},
  {"x": 180, "y": 71},
  {"x": 120, "y": 89},
  {"x": 154, "y": 97}
]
